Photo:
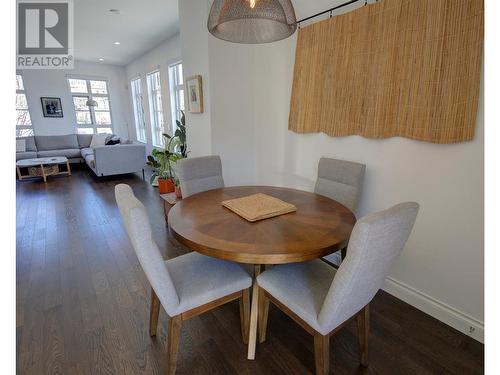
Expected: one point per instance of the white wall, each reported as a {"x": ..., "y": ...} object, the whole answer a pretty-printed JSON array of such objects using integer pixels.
[
  {"x": 441, "y": 268},
  {"x": 194, "y": 44},
  {"x": 54, "y": 83},
  {"x": 233, "y": 110},
  {"x": 158, "y": 58}
]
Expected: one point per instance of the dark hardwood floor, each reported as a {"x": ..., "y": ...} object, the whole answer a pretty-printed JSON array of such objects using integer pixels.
[{"x": 83, "y": 303}]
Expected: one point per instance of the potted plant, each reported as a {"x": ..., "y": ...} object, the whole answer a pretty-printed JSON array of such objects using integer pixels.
[
  {"x": 180, "y": 133},
  {"x": 161, "y": 162},
  {"x": 178, "y": 192}
]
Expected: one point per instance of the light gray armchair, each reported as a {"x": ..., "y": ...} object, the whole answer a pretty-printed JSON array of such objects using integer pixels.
[
  {"x": 199, "y": 174},
  {"x": 321, "y": 299},
  {"x": 185, "y": 286},
  {"x": 342, "y": 181}
]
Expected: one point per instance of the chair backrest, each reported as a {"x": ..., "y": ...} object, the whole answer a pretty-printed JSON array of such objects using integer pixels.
[
  {"x": 376, "y": 242},
  {"x": 199, "y": 174},
  {"x": 138, "y": 228},
  {"x": 340, "y": 180}
]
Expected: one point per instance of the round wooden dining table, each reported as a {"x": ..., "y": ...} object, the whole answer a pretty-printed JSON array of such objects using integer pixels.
[{"x": 319, "y": 227}]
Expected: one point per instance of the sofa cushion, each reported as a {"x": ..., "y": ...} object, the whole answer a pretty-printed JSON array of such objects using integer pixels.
[
  {"x": 89, "y": 159},
  {"x": 84, "y": 140},
  {"x": 56, "y": 142},
  {"x": 70, "y": 153},
  {"x": 25, "y": 155},
  {"x": 30, "y": 143},
  {"x": 86, "y": 151},
  {"x": 111, "y": 140},
  {"x": 20, "y": 145},
  {"x": 98, "y": 140}
]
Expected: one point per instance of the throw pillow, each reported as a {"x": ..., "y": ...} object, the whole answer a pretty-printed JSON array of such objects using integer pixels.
[
  {"x": 98, "y": 140},
  {"x": 20, "y": 145},
  {"x": 112, "y": 140}
]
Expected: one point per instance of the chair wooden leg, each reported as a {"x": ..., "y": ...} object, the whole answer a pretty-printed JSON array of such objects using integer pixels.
[
  {"x": 263, "y": 315},
  {"x": 252, "y": 334},
  {"x": 245, "y": 314},
  {"x": 153, "y": 313},
  {"x": 363, "y": 319},
  {"x": 322, "y": 354},
  {"x": 174, "y": 338}
]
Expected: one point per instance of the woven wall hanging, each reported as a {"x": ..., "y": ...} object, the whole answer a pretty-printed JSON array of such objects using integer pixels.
[{"x": 408, "y": 68}]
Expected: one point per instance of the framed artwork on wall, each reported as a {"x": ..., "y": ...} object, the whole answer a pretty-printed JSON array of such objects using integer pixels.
[
  {"x": 194, "y": 94},
  {"x": 51, "y": 107}
]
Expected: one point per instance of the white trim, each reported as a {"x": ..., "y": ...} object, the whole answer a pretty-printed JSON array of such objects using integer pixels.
[
  {"x": 138, "y": 108},
  {"x": 174, "y": 89},
  {"x": 86, "y": 77},
  {"x": 154, "y": 112},
  {"x": 435, "y": 308},
  {"x": 23, "y": 92}
]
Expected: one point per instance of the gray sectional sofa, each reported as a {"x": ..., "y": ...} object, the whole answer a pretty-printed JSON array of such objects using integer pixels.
[{"x": 103, "y": 160}]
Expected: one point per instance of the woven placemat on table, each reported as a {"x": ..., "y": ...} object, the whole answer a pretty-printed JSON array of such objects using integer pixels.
[{"x": 258, "y": 207}]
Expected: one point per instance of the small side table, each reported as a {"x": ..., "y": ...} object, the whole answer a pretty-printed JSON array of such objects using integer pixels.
[{"x": 169, "y": 200}]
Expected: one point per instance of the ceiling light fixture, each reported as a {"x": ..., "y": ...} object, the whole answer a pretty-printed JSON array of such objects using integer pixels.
[
  {"x": 101, "y": 59},
  {"x": 114, "y": 11},
  {"x": 116, "y": 43},
  {"x": 252, "y": 21}
]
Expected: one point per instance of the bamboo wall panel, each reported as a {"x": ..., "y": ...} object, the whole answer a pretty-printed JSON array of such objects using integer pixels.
[{"x": 408, "y": 68}]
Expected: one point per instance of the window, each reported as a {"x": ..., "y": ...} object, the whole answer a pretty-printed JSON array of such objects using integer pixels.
[
  {"x": 91, "y": 102},
  {"x": 24, "y": 128},
  {"x": 140, "y": 126},
  {"x": 155, "y": 108},
  {"x": 176, "y": 92}
]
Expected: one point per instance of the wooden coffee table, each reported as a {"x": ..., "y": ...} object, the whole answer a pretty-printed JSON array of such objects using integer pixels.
[{"x": 42, "y": 163}]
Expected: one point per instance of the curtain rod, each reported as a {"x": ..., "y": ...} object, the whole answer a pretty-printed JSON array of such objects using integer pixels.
[{"x": 330, "y": 10}]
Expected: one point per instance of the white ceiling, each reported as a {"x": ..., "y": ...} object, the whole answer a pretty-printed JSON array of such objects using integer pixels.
[
  {"x": 144, "y": 24},
  {"x": 140, "y": 26}
]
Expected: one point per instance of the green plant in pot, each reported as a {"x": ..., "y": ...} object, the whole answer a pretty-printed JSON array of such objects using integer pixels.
[
  {"x": 161, "y": 161},
  {"x": 180, "y": 133},
  {"x": 177, "y": 184}
]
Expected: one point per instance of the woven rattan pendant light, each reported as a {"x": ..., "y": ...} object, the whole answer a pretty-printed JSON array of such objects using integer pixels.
[{"x": 252, "y": 21}]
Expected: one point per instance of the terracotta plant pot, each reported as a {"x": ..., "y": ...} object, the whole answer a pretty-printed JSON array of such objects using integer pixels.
[
  {"x": 178, "y": 192},
  {"x": 166, "y": 185}
]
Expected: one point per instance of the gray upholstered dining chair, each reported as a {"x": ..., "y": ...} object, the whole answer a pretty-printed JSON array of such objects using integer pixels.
[
  {"x": 185, "y": 286},
  {"x": 322, "y": 299},
  {"x": 340, "y": 180},
  {"x": 199, "y": 174}
]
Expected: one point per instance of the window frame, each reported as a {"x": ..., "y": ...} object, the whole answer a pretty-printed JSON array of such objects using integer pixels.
[
  {"x": 174, "y": 89},
  {"x": 89, "y": 95},
  {"x": 135, "y": 105},
  {"x": 155, "y": 115},
  {"x": 27, "y": 110}
]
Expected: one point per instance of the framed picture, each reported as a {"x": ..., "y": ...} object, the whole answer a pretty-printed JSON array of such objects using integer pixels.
[
  {"x": 194, "y": 94},
  {"x": 51, "y": 107}
]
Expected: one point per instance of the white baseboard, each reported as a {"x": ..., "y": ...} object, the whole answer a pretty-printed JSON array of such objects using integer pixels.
[{"x": 437, "y": 309}]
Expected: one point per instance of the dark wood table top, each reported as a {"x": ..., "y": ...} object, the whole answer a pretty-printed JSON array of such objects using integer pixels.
[{"x": 319, "y": 227}]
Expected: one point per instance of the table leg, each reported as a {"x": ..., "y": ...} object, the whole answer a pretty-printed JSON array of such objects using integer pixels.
[
  {"x": 19, "y": 173},
  {"x": 43, "y": 173},
  {"x": 69, "y": 169},
  {"x": 252, "y": 336}
]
